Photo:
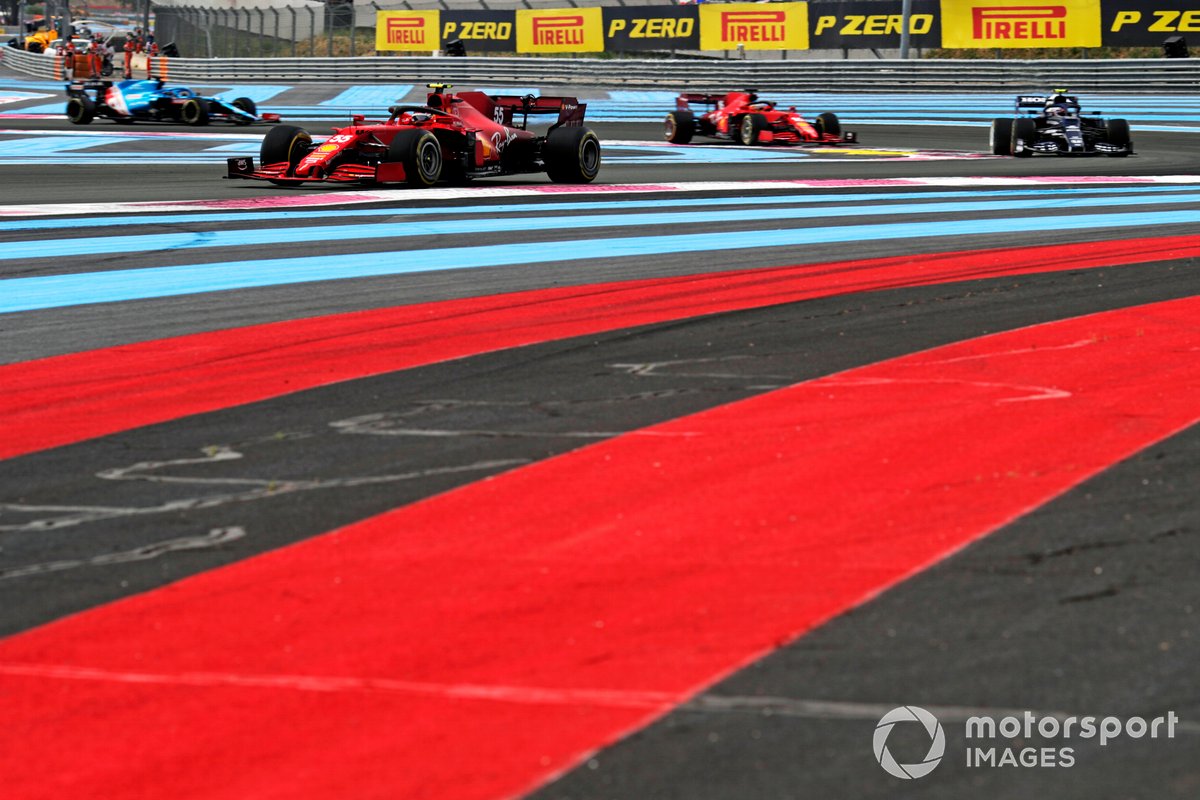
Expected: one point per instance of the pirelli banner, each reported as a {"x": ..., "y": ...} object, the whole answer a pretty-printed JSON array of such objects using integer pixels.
[
  {"x": 1146, "y": 23},
  {"x": 407, "y": 31},
  {"x": 754, "y": 26},
  {"x": 563, "y": 30},
  {"x": 988, "y": 24},
  {"x": 816, "y": 24}
]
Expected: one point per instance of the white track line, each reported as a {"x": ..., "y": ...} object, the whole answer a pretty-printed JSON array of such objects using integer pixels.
[{"x": 328, "y": 198}]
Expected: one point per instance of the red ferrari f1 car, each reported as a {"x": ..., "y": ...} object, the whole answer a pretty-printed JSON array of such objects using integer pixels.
[
  {"x": 453, "y": 137},
  {"x": 741, "y": 116}
]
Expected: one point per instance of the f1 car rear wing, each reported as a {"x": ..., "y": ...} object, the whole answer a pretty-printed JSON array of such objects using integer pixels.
[
  {"x": 681, "y": 102},
  {"x": 570, "y": 111},
  {"x": 1037, "y": 102}
]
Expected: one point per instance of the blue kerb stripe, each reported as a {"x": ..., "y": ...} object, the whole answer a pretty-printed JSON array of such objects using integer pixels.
[
  {"x": 388, "y": 230},
  {"x": 27, "y": 294},
  {"x": 291, "y": 215},
  {"x": 369, "y": 97}
]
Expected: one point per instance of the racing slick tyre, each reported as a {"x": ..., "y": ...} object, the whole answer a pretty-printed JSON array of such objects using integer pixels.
[
  {"x": 680, "y": 125},
  {"x": 420, "y": 153},
  {"x": 572, "y": 155},
  {"x": 81, "y": 110},
  {"x": 750, "y": 127},
  {"x": 1118, "y": 134},
  {"x": 247, "y": 105},
  {"x": 194, "y": 111},
  {"x": 829, "y": 124},
  {"x": 1025, "y": 130},
  {"x": 284, "y": 143},
  {"x": 1002, "y": 136}
]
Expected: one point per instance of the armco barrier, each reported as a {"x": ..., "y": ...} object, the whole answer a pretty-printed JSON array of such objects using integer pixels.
[{"x": 1091, "y": 75}]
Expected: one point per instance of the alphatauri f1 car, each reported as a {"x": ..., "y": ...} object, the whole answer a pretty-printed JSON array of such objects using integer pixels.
[
  {"x": 453, "y": 137},
  {"x": 1055, "y": 125},
  {"x": 151, "y": 101},
  {"x": 746, "y": 119}
]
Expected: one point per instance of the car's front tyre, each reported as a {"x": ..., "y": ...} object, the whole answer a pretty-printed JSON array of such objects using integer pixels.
[
  {"x": 828, "y": 124},
  {"x": 750, "y": 127},
  {"x": 247, "y": 105},
  {"x": 285, "y": 143},
  {"x": 1024, "y": 131},
  {"x": 1119, "y": 135},
  {"x": 420, "y": 153}
]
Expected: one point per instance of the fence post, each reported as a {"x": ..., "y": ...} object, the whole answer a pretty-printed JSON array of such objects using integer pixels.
[
  {"x": 262, "y": 32},
  {"x": 293, "y": 10},
  {"x": 312, "y": 32}
]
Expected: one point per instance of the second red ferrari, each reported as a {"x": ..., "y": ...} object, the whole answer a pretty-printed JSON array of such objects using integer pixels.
[{"x": 744, "y": 118}]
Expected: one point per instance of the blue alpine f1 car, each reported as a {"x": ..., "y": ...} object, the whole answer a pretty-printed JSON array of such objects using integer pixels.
[{"x": 150, "y": 101}]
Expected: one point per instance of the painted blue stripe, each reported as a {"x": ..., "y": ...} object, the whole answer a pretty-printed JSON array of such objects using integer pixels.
[
  {"x": 89, "y": 245},
  {"x": 812, "y": 197},
  {"x": 372, "y": 96},
  {"x": 28, "y": 294}
]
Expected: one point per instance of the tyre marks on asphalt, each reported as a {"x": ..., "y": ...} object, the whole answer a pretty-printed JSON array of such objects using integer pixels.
[
  {"x": 574, "y": 617},
  {"x": 56, "y": 401}
]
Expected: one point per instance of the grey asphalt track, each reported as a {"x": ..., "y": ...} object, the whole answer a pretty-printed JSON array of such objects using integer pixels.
[{"x": 1088, "y": 605}]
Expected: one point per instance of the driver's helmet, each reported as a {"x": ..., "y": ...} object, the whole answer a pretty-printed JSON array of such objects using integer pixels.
[{"x": 1058, "y": 105}]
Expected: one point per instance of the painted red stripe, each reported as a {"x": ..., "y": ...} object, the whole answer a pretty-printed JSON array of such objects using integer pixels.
[
  {"x": 474, "y": 644},
  {"x": 57, "y": 401}
]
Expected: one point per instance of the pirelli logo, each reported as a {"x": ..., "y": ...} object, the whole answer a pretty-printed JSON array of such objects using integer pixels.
[
  {"x": 727, "y": 26},
  {"x": 1019, "y": 22},
  {"x": 577, "y": 30},
  {"x": 558, "y": 30},
  {"x": 407, "y": 30},
  {"x": 754, "y": 26}
]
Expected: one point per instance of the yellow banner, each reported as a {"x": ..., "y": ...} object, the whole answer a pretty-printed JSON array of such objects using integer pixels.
[
  {"x": 406, "y": 30},
  {"x": 565, "y": 30},
  {"x": 1020, "y": 23},
  {"x": 756, "y": 26}
]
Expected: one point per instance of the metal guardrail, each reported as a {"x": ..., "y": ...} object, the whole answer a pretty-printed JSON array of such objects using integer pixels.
[{"x": 1111, "y": 76}]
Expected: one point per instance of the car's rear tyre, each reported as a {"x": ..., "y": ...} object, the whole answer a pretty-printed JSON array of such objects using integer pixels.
[
  {"x": 194, "y": 111},
  {"x": 420, "y": 153},
  {"x": 828, "y": 124},
  {"x": 1024, "y": 130},
  {"x": 1118, "y": 134},
  {"x": 81, "y": 110},
  {"x": 750, "y": 127},
  {"x": 247, "y": 105},
  {"x": 680, "y": 125},
  {"x": 572, "y": 155},
  {"x": 1001, "y": 136},
  {"x": 285, "y": 143}
]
